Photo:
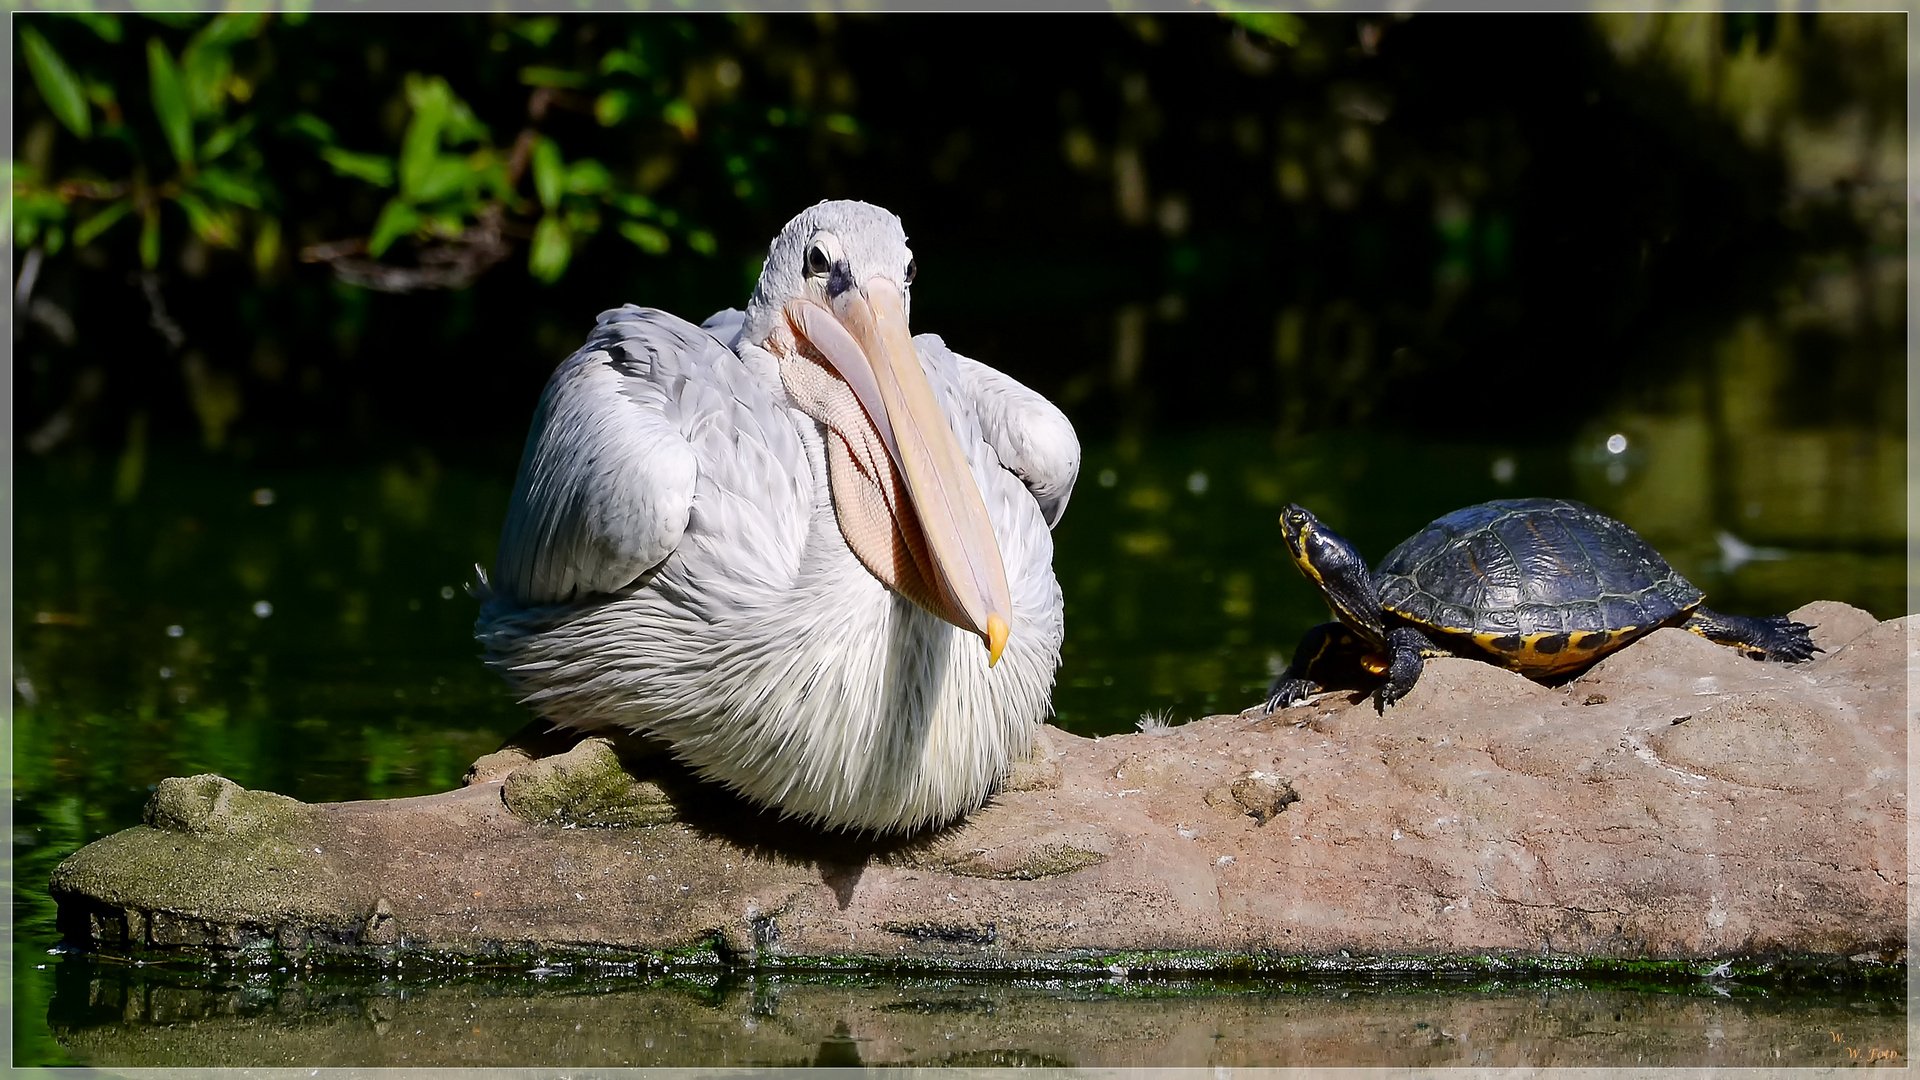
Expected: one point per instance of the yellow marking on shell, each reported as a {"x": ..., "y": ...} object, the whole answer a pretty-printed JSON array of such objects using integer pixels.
[{"x": 1581, "y": 648}]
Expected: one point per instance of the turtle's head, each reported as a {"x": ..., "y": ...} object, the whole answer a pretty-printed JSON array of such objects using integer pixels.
[{"x": 1333, "y": 564}]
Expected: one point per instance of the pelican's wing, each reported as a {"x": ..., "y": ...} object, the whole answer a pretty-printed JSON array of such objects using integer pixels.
[
  {"x": 1032, "y": 437},
  {"x": 606, "y": 480}
]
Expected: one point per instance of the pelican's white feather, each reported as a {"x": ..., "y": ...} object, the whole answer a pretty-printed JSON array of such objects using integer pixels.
[{"x": 672, "y": 565}]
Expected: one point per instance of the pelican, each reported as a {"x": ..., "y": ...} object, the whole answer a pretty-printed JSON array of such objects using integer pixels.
[{"x": 808, "y": 552}]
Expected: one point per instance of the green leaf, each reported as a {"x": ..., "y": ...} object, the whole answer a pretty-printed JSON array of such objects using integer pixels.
[
  {"x": 648, "y": 238},
  {"x": 842, "y": 124},
  {"x": 223, "y": 140},
  {"x": 632, "y": 205},
  {"x": 232, "y": 28},
  {"x": 223, "y": 185},
  {"x": 266, "y": 244},
  {"x": 547, "y": 259},
  {"x": 58, "y": 84},
  {"x": 170, "y": 102},
  {"x": 612, "y": 107},
  {"x": 549, "y": 172},
  {"x": 445, "y": 175},
  {"x": 622, "y": 60},
  {"x": 84, "y": 233},
  {"x": 213, "y": 225},
  {"x": 311, "y": 126},
  {"x": 550, "y": 76},
  {"x": 204, "y": 70},
  {"x": 1284, "y": 27},
  {"x": 397, "y": 219},
  {"x": 421, "y": 144},
  {"x": 588, "y": 177},
  {"x": 538, "y": 30},
  {"x": 702, "y": 241},
  {"x": 150, "y": 240},
  {"x": 105, "y": 27},
  {"x": 372, "y": 168},
  {"x": 679, "y": 113}
]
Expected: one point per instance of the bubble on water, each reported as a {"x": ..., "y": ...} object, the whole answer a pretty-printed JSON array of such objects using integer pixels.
[
  {"x": 176, "y": 630},
  {"x": 1617, "y": 473},
  {"x": 1503, "y": 470},
  {"x": 1197, "y": 482},
  {"x": 446, "y": 592},
  {"x": 1616, "y": 443},
  {"x": 1108, "y": 478},
  {"x": 262, "y": 609},
  {"x": 263, "y": 496}
]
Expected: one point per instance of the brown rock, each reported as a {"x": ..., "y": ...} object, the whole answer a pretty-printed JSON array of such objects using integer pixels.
[{"x": 1677, "y": 802}]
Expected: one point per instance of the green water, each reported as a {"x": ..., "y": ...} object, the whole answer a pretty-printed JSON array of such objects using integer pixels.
[{"x": 308, "y": 632}]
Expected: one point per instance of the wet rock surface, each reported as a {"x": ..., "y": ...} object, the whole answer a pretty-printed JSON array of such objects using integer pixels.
[{"x": 1677, "y": 802}]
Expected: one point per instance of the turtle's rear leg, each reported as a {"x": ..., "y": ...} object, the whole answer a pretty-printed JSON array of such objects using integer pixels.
[
  {"x": 1771, "y": 637},
  {"x": 1328, "y": 655}
]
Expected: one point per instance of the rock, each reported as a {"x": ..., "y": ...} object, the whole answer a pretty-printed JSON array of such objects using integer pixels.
[{"x": 1676, "y": 803}]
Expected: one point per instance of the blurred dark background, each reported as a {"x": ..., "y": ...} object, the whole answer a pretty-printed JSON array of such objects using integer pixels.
[{"x": 1439, "y": 223}]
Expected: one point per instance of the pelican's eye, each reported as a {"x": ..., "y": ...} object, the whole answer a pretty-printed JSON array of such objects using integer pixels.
[
  {"x": 817, "y": 261},
  {"x": 913, "y": 270}
]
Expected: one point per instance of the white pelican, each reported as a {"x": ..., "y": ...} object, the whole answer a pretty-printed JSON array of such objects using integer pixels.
[{"x": 808, "y": 552}]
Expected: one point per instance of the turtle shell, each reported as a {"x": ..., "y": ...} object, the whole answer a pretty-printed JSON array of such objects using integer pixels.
[{"x": 1543, "y": 585}]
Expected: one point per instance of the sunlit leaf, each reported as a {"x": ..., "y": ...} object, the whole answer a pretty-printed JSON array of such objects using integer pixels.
[
  {"x": 54, "y": 240},
  {"x": 58, "y": 84},
  {"x": 100, "y": 222},
  {"x": 266, "y": 244},
  {"x": 372, "y": 168},
  {"x": 224, "y": 185},
  {"x": 623, "y": 61},
  {"x": 223, "y": 140},
  {"x": 549, "y": 172},
  {"x": 612, "y": 107},
  {"x": 170, "y": 102},
  {"x": 588, "y": 177},
  {"x": 648, "y": 238},
  {"x": 632, "y": 205},
  {"x": 538, "y": 30},
  {"x": 445, "y": 175},
  {"x": 702, "y": 241},
  {"x": 1284, "y": 27},
  {"x": 679, "y": 113},
  {"x": 105, "y": 27},
  {"x": 211, "y": 224},
  {"x": 150, "y": 240},
  {"x": 311, "y": 126},
  {"x": 397, "y": 219},
  {"x": 204, "y": 70},
  {"x": 421, "y": 144},
  {"x": 842, "y": 124},
  {"x": 550, "y": 76},
  {"x": 547, "y": 258},
  {"x": 233, "y": 28}
]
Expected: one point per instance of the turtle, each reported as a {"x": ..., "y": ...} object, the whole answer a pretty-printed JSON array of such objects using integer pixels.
[{"x": 1544, "y": 587}]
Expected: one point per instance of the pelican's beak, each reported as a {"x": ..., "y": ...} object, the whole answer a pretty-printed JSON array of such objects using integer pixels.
[{"x": 865, "y": 339}]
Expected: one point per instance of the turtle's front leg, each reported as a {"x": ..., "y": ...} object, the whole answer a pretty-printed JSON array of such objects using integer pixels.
[{"x": 1407, "y": 653}]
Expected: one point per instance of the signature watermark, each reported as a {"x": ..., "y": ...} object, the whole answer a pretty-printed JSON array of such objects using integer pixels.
[{"x": 1866, "y": 1053}]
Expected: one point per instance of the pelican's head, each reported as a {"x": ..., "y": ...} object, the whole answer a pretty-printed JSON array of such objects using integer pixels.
[{"x": 832, "y": 305}]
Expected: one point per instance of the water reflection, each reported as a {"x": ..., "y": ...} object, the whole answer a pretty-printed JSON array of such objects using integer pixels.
[{"x": 121, "y": 1018}]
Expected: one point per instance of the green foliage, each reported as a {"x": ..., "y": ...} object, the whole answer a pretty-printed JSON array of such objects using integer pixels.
[
  {"x": 58, "y": 85},
  {"x": 202, "y": 142}
]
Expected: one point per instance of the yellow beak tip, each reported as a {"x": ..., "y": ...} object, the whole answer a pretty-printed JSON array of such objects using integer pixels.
[{"x": 997, "y": 631}]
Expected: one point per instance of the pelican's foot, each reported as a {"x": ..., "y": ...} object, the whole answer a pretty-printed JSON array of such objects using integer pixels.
[{"x": 587, "y": 785}]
